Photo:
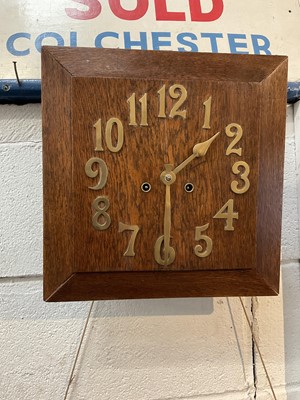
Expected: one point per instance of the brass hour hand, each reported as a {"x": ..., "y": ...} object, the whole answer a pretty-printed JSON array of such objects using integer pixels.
[{"x": 199, "y": 150}]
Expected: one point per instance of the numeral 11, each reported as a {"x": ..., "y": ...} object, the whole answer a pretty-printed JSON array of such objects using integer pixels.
[{"x": 132, "y": 107}]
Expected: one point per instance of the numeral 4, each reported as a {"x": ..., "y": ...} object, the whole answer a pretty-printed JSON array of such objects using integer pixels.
[{"x": 226, "y": 212}]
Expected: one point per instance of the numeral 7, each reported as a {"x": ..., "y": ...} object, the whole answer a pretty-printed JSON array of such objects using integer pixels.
[{"x": 135, "y": 229}]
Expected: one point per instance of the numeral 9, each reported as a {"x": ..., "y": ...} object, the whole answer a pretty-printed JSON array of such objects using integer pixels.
[{"x": 101, "y": 170}]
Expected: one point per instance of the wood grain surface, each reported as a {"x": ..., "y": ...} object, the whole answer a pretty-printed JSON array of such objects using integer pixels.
[{"x": 81, "y": 86}]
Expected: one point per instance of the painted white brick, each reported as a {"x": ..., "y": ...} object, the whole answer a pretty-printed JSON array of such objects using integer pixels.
[
  {"x": 290, "y": 224},
  {"x": 38, "y": 342},
  {"x": 137, "y": 350},
  {"x": 167, "y": 349},
  {"x": 277, "y": 325},
  {"x": 290, "y": 126},
  {"x": 21, "y": 209},
  {"x": 20, "y": 123}
]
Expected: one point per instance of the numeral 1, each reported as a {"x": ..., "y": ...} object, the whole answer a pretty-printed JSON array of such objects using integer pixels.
[
  {"x": 132, "y": 110},
  {"x": 207, "y": 106},
  {"x": 108, "y": 135},
  {"x": 162, "y": 102},
  {"x": 135, "y": 229},
  {"x": 98, "y": 129},
  {"x": 226, "y": 212}
]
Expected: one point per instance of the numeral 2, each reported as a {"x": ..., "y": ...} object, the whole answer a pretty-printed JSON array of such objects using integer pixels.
[{"x": 234, "y": 131}]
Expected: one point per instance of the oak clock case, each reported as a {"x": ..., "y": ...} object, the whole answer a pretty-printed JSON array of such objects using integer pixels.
[{"x": 174, "y": 172}]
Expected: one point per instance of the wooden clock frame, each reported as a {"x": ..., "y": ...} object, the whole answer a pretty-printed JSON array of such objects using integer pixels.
[{"x": 66, "y": 281}]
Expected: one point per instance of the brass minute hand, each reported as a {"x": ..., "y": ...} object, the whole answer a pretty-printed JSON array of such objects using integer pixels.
[
  {"x": 167, "y": 223},
  {"x": 167, "y": 178},
  {"x": 199, "y": 150}
]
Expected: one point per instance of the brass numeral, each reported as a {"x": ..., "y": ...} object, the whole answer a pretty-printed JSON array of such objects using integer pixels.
[
  {"x": 226, "y": 212},
  {"x": 135, "y": 229},
  {"x": 199, "y": 236},
  {"x": 207, "y": 106},
  {"x": 98, "y": 129},
  {"x": 176, "y": 92},
  {"x": 108, "y": 135},
  {"x": 159, "y": 249},
  {"x": 162, "y": 102},
  {"x": 101, "y": 219},
  {"x": 243, "y": 176},
  {"x": 234, "y": 131},
  {"x": 101, "y": 170},
  {"x": 132, "y": 110}
]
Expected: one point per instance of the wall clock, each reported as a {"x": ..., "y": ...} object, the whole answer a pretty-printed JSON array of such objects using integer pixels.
[{"x": 163, "y": 173}]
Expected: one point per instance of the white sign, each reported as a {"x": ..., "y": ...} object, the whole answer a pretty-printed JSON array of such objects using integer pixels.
[{"x": 227, "y": 26}]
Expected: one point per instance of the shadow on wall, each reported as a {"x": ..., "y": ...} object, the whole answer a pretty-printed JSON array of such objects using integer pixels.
[
  {"x": 291, "y": 312},
  {"x": 153, "y": 307}
]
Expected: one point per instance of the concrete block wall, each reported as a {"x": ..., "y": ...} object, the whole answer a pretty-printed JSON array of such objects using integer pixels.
[{"x": 187, "y": 349}]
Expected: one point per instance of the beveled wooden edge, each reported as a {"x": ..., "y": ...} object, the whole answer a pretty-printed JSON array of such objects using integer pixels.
[
  {"x": 57, "y": 190},
  {"x": 156, "y": 64},
  {"x": 147, "y": 285},
  {"x": 271, "y": 168}
]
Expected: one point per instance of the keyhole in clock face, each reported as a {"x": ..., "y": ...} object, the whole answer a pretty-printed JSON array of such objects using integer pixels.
[
  {"x": 189, "y": 187},
  {"x": 146, "y": 187}
]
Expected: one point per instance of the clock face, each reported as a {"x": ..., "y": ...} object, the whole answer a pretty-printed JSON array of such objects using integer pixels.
[{"x": 165, "y": 174}]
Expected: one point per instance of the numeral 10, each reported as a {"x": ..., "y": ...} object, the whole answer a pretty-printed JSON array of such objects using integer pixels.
[{"x": 108, "y": 135}]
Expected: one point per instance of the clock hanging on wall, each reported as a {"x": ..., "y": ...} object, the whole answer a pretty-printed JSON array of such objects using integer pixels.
[{"x": 163, "y": 173}]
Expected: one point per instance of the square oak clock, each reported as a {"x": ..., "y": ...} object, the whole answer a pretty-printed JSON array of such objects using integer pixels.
[{"x": 163, "y": 173}]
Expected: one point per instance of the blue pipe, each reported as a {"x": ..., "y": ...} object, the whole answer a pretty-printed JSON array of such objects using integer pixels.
[
  {"x": 293, "y": 93},
  {"x": 29, "y": 91},
  {"x": 22, "y": 92}
]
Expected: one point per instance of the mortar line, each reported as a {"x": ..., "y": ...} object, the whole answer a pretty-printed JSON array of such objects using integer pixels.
[
  {"x": 20, "y": 278},
  {"x": 292, "y": 261},
  {"x": 21, "y": 142}
]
